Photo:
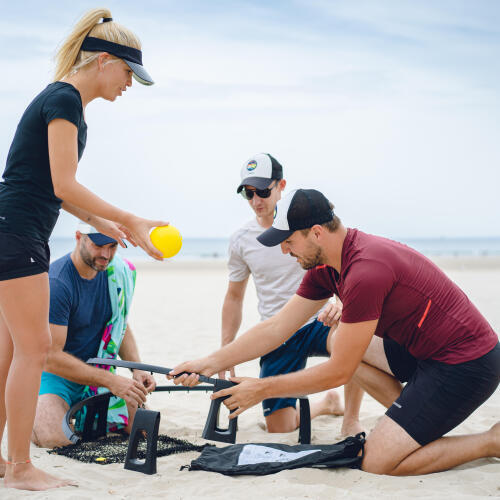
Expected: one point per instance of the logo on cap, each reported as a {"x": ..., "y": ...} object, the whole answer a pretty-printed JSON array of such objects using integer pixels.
[{"x": 251, "y": 165}]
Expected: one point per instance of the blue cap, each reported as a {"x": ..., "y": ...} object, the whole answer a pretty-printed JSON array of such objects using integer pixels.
[{"x": 97, "y": 238}]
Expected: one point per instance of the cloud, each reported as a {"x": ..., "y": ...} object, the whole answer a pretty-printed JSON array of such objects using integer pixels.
[{"x": 389, "y": 108}]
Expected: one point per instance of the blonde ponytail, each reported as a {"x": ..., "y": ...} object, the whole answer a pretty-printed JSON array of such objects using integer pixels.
[{"x": 70, "y": 58}]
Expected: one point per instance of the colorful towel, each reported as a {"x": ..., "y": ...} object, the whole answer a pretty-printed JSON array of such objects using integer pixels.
[{"x": 121, "y": 282}]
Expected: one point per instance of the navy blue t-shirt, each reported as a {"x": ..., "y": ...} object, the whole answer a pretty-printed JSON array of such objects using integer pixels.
[
  {"x": 81, "y": 305},
  {"x": 28, "y": 204}
]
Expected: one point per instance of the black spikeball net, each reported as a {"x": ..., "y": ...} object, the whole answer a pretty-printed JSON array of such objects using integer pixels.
[{"x": 113, "y": 449}]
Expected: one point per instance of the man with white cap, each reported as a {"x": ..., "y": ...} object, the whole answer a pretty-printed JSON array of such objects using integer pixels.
[
  {"x": 276, "y": 279},
  {"x": 87, "y": 288},
  {"x": 403, "y": 320}
]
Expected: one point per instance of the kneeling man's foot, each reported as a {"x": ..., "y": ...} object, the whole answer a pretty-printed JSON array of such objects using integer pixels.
[
  {"x": 333, "y": 403},
  {"x": 2, "y": 468},
  {"x": 350, "y": 428},
  {"x": 494, "y": 432},
  {"x": 28, "y": 477}
]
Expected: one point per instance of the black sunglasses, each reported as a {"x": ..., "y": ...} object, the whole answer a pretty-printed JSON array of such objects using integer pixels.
[{"x": 261, "y": 193}]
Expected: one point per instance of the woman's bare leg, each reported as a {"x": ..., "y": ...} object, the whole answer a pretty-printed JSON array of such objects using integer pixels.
[
  {"x": 24, "y": 305},
  {"x": 5, "y": 360}
]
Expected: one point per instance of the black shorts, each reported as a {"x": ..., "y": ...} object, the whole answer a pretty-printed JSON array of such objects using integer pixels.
[
  {"x": 439, "y": 396},
  {"x": 22, "y": 256}
]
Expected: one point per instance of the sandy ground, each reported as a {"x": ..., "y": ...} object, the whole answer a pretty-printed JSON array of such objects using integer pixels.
[{"x": 176, "y": 316}]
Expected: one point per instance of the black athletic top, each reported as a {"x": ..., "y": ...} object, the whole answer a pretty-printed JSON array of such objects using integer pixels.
[{"x": 28, "y": 204}]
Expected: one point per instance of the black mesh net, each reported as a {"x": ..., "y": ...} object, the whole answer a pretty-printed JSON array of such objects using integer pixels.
[{"x": 113, "y": 449}]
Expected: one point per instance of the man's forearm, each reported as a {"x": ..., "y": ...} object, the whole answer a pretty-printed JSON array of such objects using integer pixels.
[
  {"x": 80, "y": 199},
  {"x": 77, "y": 212},
  {"x": 259, "y": 340},
  {"x": 231, "y": 320},
  {"x": 348, "y": 347},
  {"x": 67, "y": 366},
  {"x": 327, "y": 375}
]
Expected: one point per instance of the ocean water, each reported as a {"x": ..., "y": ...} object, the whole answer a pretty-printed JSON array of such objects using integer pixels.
[
  {"x": 192, "y": 249},
  {"x": 216, "y": 248},
  {"x": 455, "y": 246}
]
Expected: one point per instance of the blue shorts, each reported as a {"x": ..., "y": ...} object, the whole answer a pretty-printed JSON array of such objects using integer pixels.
[
  {"x": 71, "y": 392},
  {"x": 292, "y": 356}
]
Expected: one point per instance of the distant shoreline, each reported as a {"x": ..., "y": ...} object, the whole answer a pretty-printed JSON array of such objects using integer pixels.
[
  {"x": 207, "y": 249},
  {"x": 463, "y": 262}
]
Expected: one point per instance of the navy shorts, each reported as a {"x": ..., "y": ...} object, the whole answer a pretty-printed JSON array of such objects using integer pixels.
[
  {"x": 437, "y": 396},
  {"x": 22, "y": 256},
  {"x": 292, "y": 356}
]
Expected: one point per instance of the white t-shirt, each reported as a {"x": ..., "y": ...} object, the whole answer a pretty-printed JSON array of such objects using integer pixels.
[{"x": 276, "y": 276}]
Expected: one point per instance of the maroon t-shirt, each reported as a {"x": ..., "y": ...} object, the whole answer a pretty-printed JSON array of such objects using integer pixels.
[{"x": 415, "y": 303}]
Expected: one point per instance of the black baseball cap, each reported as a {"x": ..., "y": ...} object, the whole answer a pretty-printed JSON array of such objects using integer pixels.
[
  {"x": 132, "y": 57},
  {"x": 259, "y": 170},
  {"x": 97, "y": 238},
  {"x": 300, "y": 209}
]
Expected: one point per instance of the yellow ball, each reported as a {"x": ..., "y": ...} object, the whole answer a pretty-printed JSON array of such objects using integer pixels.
[{"x": 167, "y": 240}]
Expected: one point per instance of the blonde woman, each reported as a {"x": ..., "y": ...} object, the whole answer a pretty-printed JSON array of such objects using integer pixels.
[{"x": 98, "y": 59}]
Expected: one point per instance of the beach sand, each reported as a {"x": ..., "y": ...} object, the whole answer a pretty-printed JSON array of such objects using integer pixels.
[{"x": 176, "y": 316}]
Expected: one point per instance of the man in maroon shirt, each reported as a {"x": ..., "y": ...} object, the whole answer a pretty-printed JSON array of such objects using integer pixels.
[{"x": 403, "y": 320}]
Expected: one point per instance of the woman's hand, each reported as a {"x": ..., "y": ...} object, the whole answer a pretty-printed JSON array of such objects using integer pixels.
[
  {"x": 127, "y": 235},
  {"x": 110, "y": 228},
  {"x": 137, "y": 231}
]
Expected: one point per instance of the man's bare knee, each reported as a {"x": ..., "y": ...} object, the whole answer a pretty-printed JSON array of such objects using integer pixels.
[
  {"x": 51, "y": 441},
  {"x": 46, "y": 438},
  {"x": 279, "y": 427},
  {"x": 282, "y": 420},
  {"x": 47, "y": 428},
  {"x": 386, "y": 447},
  {"x": 371, "y": 463}
]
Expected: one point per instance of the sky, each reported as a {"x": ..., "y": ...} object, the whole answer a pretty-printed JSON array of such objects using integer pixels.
[{"x": 390, "y": 108}]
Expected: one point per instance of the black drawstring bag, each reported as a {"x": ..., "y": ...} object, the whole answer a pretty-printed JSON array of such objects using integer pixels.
[{"x": 269, "y": 458}]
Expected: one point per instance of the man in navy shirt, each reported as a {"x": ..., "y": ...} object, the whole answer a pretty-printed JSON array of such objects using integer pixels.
[{"x": 80, "y": 308}]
